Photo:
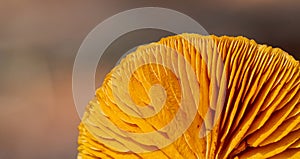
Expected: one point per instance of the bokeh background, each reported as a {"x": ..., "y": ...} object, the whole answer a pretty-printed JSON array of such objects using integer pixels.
[{"x": 39, "y": 41}]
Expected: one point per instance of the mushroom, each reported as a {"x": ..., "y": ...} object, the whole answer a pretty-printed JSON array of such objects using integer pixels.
[{"x": 193, "y": 96}]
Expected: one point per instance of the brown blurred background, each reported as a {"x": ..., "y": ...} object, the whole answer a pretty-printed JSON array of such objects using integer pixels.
[{"x": 39, "y": 41}]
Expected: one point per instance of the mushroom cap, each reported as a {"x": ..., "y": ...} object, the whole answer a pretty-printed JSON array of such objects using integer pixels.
[{"x": 193, "y": 96}]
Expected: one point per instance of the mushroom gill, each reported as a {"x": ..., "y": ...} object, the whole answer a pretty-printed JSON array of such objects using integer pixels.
[{"x": 246, "y": 97}]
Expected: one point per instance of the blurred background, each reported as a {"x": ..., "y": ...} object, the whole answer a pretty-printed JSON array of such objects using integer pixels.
[{"x": 39, "y": 41}]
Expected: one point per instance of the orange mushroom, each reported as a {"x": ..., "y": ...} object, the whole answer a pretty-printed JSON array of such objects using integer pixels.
[{"x": 242, "y": 99}]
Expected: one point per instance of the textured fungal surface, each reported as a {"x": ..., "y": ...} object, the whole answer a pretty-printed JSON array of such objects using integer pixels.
[{"x": 224, "y": 97}]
